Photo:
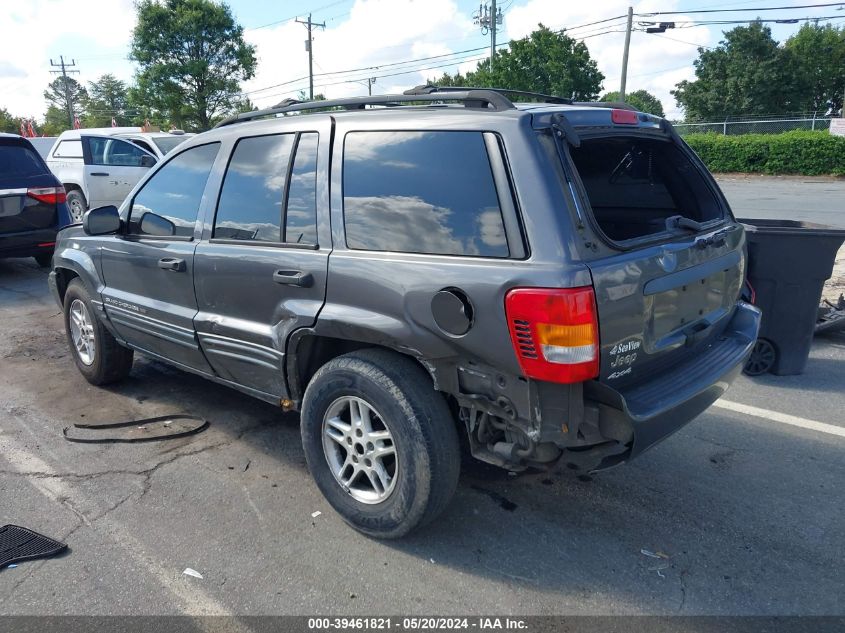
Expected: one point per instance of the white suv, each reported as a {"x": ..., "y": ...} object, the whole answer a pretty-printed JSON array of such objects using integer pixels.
[{"x": 97, "y": 168}]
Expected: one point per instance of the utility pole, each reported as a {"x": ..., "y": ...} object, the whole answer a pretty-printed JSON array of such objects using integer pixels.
[
  {"x": 370, "y": 82},
  {"x": 309, "y": 25},
  {"x": 64, "y": 72},
  {"x": 488, "y": 18},
  {"x": 625, "y": 53}
]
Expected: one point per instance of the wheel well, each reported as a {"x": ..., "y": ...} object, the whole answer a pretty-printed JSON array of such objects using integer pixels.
[
  {"x": 63, "y": 277},
  {"x": 312, "y": 352},
  {"x": 70, "y": 186}
]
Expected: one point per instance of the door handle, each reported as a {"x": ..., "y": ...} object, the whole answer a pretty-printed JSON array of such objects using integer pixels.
[
  {"x": 99, "y": 173},
  {"x": 172, "y": 263},
  {"x": 293, "y": 278}
]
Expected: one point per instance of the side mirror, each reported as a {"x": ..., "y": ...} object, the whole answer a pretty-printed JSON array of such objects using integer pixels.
[
  {"x": 154, "y": 224},
  {"x": 101, "y": 221},
  {"x": 147, "y": 161}
]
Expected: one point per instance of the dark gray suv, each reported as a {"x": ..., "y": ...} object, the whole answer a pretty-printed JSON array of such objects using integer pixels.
[{"x": 422, "y": 274}]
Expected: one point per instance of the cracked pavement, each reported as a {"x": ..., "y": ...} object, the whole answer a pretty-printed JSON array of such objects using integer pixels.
[{"x": 747, "y": 512}]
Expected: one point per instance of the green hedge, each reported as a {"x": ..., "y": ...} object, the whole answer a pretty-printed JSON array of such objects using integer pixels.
[{"x": 797, "y": 152}]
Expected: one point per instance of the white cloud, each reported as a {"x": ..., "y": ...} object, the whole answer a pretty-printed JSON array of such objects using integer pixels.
[
  {"x": 376, "y": 33},
  {"x": 656, "y": 63},
  {"x": 35, "y": 30}
]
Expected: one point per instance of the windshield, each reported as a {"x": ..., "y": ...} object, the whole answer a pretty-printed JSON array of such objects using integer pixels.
[{"x": 167, "y": 143}]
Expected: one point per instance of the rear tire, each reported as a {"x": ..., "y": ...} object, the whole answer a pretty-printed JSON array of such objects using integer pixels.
[
  {"x": 399, "y": 413},
  {"x": 76, "y": 205},
  {"x": 98, "y": 356},
  {"x": 45, "y": 260}
]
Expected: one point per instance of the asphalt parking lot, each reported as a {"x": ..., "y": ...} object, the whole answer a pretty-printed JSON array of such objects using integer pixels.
[{"x": 742, "y": 511}]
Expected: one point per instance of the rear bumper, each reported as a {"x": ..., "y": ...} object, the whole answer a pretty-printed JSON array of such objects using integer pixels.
[
  {"x": 27, "y": 243},
  {"x": 652, "y": 412}
]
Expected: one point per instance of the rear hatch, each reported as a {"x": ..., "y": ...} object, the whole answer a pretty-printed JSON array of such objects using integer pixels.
[
  {"x": 29, "y": 192},
  {"x": 666, "y": 256}
]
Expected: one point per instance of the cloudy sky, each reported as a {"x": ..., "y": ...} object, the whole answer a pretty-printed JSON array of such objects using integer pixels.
[{"x": 400, "y": 43}]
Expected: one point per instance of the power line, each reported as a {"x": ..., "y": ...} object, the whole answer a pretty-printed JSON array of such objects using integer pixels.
[
  {"x": 796, "y": 6},
  {"x": 293, "y": 17}
]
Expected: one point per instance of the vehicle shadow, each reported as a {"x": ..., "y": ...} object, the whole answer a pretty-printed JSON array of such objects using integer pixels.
[{"x": 707, "y": 499}]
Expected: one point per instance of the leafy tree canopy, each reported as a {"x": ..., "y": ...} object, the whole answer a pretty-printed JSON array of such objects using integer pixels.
[
  {"x": 642, "y": 100},
  {"x": 9, "y": 123},
  {"x": 746, "y": 74},
  {"x": 107, "y": 98},
  {"x": 820, "y": 55},
  {"x": 192, "y": 57},
  {"x": 55, "y": 94},
  {"x": 549, "y": 62}
]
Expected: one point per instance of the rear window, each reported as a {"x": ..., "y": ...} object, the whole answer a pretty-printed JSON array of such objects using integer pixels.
[
  {"x": 635, "y": 184},
  {"x": 19, "y": 160},
  {"x": 421, "y": 192}
]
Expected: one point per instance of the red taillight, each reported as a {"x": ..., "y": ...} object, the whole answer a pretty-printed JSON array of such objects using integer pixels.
[
  {"x": 554, "y": 332},
  {"x": 48, "y": 195},
  {"x": 624, "y": 117}
]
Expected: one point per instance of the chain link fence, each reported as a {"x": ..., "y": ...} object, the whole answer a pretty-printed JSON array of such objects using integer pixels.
[{"x": 758, "y": 125}]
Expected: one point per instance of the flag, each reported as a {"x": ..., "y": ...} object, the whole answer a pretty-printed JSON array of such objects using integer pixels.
[
  {"x": 23, "y": 128},
  {"x": 76, "y": 124},
  {"x": 30, "y": 131},
  {"x": 113, "y": 122}
]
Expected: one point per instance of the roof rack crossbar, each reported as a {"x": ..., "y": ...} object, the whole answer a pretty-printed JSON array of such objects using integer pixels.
[
  {"x": 472, "y": 98},
  {"x": 429, "y": 89}
]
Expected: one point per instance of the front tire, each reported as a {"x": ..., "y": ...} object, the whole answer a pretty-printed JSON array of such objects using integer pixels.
[
  {"x": 98, "y": 356},
  {"x": 380, "y": 442}
]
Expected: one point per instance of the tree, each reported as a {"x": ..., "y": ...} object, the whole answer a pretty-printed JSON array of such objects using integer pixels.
[
  {"x": 819, "y": 52},
  {"x": 642, "y": 100},
  {"x": 57, "y": 97},
  {"x": 549, "y": 62},
  {"x": 746, "y": 74},
  {"x": 192, "y": 58},
  {"x": 55, "y": 121},
  {"x": 107, "y": 98},
  {"x": 9, "y": 123}
]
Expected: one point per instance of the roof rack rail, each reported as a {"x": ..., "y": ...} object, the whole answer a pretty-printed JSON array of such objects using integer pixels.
[
  {"x": 471, "y": 98},
  {"x": 430, "y": 89}
]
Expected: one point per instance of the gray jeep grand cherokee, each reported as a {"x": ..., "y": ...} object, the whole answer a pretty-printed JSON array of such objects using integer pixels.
[{"x": 534, "y": 282}]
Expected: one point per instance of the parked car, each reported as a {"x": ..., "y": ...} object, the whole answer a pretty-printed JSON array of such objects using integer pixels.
[
  {"x": 554, "y": 282},
  {"x": 157, "y": 143},
  {"x": 96, "y": 167},
  {"x": 32, "y": 202}
]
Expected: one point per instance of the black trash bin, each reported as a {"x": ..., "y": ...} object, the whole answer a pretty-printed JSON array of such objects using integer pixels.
[{"x": 788, "y": 263}]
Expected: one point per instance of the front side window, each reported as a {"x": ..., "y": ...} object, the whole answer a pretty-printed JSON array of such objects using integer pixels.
[
  {"x": 113, "y": 152},
  {"x": 169, "y": 202},
  {"x": 421, "y": 192}
]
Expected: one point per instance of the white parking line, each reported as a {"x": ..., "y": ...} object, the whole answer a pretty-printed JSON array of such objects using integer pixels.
[{"x": 783, "y": 418}]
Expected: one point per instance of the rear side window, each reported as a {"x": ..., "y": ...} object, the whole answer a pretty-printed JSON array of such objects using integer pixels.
[
  {"x": 421, "y": 192},
  {"x": 250, "y": 205},
  {"x": 259, "y": 180},
  {"x": 635, "y": 184},
  {"x": 169, "y": 202},
  {"x": 18, "y": 160},
  {"x": 68, "y": 149}
]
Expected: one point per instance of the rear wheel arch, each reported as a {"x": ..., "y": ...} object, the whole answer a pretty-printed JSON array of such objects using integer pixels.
[{"x": 308, "y": 352}]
